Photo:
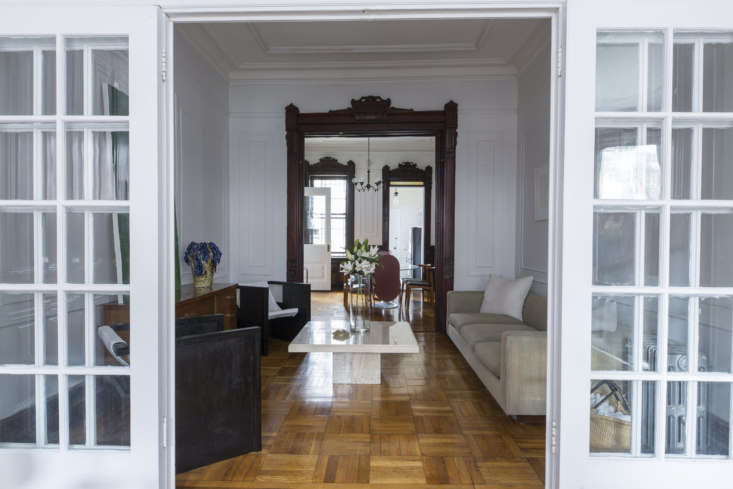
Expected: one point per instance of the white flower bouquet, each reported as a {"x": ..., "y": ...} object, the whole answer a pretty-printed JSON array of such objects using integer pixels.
[{"x": 361, "y": 260}]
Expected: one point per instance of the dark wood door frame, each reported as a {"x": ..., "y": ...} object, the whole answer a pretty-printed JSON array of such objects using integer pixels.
[
  {"x": 375, "y": 116},
  {"x": 408, "y": 171}
]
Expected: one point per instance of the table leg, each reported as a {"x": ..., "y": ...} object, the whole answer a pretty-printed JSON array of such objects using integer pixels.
[{"x": 356, "y": 368}]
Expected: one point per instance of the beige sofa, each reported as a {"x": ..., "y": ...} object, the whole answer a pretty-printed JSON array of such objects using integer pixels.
[{"x": 508, "y": 355}]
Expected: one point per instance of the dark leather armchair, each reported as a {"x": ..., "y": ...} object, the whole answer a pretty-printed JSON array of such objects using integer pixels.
[
  {"x": 218, "y": 399},
  {"x": 294, "y": 300}
]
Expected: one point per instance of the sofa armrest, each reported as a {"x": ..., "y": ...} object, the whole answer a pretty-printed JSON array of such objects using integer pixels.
[
  {"x": 524, "y": 371},
  {"x": 464, "y": 301}
]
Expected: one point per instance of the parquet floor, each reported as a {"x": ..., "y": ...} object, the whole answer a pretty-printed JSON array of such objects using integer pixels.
[
  {"x": 421, "y": 315},
  {"x": 431, "y": 423}
]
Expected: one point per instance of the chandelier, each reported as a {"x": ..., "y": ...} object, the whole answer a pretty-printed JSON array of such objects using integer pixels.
[{"x": 367, "y": 186}]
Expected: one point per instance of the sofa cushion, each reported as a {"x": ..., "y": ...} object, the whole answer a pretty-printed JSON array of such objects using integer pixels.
[
  {"x": 461, "y": 319},
  {"x": 489, "y": 353},
  {"x": 283, "y": 313},
  {"x": 505, "y": 296},
  {"x": 478, "y": 333}
]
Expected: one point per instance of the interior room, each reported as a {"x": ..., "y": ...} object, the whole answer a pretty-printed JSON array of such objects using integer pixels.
[
  {"x": 326, "y": 174},
  {"x": 366, "y": 177},
  {"x": 440, "y": 411},
  {"x": 345, "y": 192}
]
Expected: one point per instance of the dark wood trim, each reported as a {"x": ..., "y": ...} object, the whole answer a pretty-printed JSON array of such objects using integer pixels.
[
  {"x": 375, "y": 116},
  {"x": 295, "y": 177},
  {"x": 407, "y": 171},
  {"x": 331, "y": 167}
]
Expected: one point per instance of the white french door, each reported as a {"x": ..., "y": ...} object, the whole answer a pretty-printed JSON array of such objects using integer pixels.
[
  {"x": 79, "y": 247},
  {"x": 317, "y": 245},
  {"x": 647, "y": 328}
]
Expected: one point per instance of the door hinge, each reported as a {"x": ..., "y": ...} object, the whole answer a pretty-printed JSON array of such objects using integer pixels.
[
  {"x": 560, "y": 62},
  {"x": 165, "y": 431},
  {"x": 553, "y": 437},
  {"x": 163, "y": 66}
]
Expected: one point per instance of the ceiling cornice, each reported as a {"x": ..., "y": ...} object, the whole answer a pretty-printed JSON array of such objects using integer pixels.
[
  {"x": 392, "y": 69},
  {"x": 252, "y": 27},
  {"x": 199, "y": 38},
  {"x": 537, "y": 41},
  {"x": 466, "y": 47}
]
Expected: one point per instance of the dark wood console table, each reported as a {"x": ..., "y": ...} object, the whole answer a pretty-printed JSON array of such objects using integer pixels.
[{"x": 221, "y": 299}]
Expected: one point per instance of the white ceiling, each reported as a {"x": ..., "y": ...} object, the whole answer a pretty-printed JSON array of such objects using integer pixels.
[{"x": 274, "y": 45}]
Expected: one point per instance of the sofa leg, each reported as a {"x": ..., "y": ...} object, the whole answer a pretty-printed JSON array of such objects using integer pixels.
[{"x": 514, "y": 418}]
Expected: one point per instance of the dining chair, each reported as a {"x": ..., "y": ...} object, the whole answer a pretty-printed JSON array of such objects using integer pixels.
[{"x": 425, "y": 284}]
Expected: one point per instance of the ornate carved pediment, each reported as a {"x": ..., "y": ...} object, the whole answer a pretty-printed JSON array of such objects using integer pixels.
[
  {"x": 408, "y": 170},
  {"x": 371, "y": 108},
  {"x": 329, "y": 165},
  {"x": 407, "y": 165}
]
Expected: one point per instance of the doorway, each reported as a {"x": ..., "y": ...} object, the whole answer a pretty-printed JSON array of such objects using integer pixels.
[
  {"x": 367, "y": 118},
  {"x": 299, "y": 175},
  {"x": 358, "y": 173}
]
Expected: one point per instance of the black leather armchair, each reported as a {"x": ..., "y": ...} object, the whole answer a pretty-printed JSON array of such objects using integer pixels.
[
  {"x": 218, "y": 398},
  {"x": 254, "y": 309}
]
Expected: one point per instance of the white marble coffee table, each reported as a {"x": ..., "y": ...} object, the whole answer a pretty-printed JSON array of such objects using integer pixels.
[{"x": 356, "y": 358}]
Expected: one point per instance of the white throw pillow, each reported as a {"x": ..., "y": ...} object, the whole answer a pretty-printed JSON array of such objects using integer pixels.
[{"x": 505, "y": 296}]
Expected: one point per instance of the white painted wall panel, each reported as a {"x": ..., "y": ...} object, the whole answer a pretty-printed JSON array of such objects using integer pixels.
[
  {"x": 202, "y": 155},
  {"x": 485, "y": 166},
  {"x": 533, "y": 118}
]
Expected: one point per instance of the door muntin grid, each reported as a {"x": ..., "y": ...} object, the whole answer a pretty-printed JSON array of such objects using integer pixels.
[
  {"x": 661, "y": 311},
  {"x": 65, "y": 243}
]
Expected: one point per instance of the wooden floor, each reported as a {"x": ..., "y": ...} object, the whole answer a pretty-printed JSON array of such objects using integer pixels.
[
  {"x": 431, "y": 423},
  {"x": 421, "y": 315}
]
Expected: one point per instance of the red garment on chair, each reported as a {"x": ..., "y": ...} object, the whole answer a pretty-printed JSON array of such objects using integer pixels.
[{"x": 387, "y": 278}]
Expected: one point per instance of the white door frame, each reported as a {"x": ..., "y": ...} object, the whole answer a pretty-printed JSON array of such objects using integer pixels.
[{"x": 308, "y": 10}]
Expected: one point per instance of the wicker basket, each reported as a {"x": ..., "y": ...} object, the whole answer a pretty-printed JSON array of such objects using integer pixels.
[{"x": 609, "y": 434}]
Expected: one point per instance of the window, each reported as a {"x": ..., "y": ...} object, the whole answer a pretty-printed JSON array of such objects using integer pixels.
[{"x": 338, "y": 186}]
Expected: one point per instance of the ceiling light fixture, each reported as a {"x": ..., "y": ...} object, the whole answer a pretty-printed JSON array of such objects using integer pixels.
[{"x": 360, "y": 185}]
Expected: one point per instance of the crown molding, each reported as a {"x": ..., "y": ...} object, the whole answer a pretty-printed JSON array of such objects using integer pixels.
[
  {"x": 257, "y": 35},
  {"x": 388, "y": 69},
  {"x": 201, "y": 40},
  {"x": 453, "y": 47},
  {"x": 536, "y": 43},
  {"x": 468, "y": 47}
]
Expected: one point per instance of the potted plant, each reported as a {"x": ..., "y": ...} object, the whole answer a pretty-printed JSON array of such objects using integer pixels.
[
  {"x": 203, "y": 258},
  {"x": 359, "y": 266}
]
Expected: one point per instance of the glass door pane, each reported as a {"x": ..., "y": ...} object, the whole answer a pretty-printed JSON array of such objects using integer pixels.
[
  {"x": 78, "y": 162},
  {"x": 647, "y": 330}
]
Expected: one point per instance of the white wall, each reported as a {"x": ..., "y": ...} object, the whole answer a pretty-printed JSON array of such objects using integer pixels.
[
  {"x": 368, "y": 205},
  {"x": 202, "y": 154},
  {"x": 533, "y": 133},
  {"x": 485, "y": 165}
]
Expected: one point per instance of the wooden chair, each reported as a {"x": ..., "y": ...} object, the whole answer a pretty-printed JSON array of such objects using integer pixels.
[
  {"x": 387, "y": 286},
  {"x": 426, "y": 284}
]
